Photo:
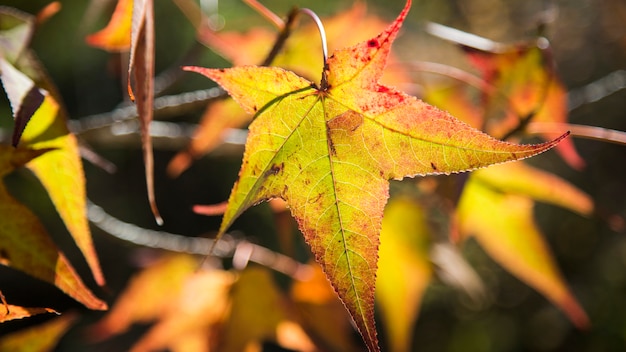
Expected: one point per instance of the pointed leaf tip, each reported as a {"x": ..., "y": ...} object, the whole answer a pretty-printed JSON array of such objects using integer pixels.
[{"x": 330, "y": 152}]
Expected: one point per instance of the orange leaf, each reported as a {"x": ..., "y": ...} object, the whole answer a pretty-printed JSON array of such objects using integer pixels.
[
  {"x": 219, "y": 116},
  {"x": 503, "y": 224},
  {"x": 17, "y": 312},
  {"x": 24, "y": 243},
  {"x": 454, "y": 100},
  {"x": 195, "y": 312},
  {"x": 116, "y": 35},
  {"x": 525, "y": 79},
  {"x": 147, "y": 297}
]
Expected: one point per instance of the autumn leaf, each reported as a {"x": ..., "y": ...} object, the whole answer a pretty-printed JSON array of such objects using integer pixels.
[
  {"x": 141, "y": 71},
  {"x": 496, "y": 208},
  {"x": 196, "y": 312},
  {"x": 60, "y": 172},
  {"x": 260, "y": 307},
  {"x": 116, "y": 35},
  {"x": 329, "y": 151},
  {"x": 454, "y": 99},
  {"x": 38, "y": 338},
  {"x": 19, "y": 312},
  {"x": 47, "y": 129},
  {"x": 24, "y": 96},
  {"x": 540, "y": 185},
  {"x": 132, "y": 28},
  {"x": 525, "y": 85},
  {"x": 147, "y": 297},
  {"x": 404, "y": 269},
  {"x": 11, "y": 312},
  {"x": 300, "y": 53},
  {"x": 526, "y": 81},
  {"x": 16, "y": 32},
  {"x": 317, "y": 304},
  {"x": 25, "y": 244}
]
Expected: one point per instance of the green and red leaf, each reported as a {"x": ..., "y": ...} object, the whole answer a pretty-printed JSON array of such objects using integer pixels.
[{"x": 331, "y": 150}]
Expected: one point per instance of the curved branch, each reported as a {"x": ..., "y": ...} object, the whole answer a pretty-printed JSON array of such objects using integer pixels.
[{"x": 240, "y": 250}]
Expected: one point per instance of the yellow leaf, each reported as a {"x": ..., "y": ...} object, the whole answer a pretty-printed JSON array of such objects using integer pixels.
[
  {"x": 504, "y": 226},
  {"x": 40, "y": 338},
  {"x": 61, "y": 173},
  {"x": 260, "y": 313},
  {"x": 404, "y": 270},
  {"x": 25, "y": 244},
  {"x": 523, "y": 179}
]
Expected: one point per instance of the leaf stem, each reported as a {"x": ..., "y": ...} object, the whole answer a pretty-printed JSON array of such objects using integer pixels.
[{"x": 320, "y": 28}]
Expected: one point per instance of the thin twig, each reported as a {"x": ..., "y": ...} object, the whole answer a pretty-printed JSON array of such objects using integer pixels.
[
  {"x": 165, "y": 106},
  {"x": 267, "y": 13},
  {"x": 580, "y": 131},
  {"x": 597, "y": 90},
  {"x": 228, "y": 246}
]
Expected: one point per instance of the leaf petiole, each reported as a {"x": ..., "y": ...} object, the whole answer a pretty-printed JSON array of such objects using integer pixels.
[{"x": 320, "y": 28}]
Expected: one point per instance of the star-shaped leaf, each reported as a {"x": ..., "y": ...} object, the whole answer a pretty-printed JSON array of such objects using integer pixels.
[{"x": 330, "y": 151}]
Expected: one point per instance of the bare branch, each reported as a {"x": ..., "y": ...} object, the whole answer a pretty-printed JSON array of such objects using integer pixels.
[{"x": 241, "y": 250}]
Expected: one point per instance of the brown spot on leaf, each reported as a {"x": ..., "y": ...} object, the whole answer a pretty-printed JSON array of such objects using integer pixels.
[
  {"x": 348, "y": 121},
  {"x": 275, "y": 169},
  {"x": 316, "y": 199},
  {"x": 433, "y": 166},
  {"x": 373, "y": 43}
]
